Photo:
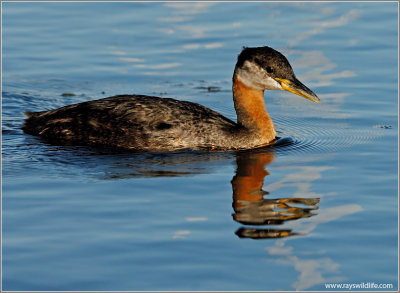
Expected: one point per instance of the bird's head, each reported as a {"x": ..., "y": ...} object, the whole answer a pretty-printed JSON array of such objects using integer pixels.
[{"x": 264, "y": 68}]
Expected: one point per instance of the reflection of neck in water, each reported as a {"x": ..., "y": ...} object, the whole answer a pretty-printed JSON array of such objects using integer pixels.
[{"x": 250, "y": 206}]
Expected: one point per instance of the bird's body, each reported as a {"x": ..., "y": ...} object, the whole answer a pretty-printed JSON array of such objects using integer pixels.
[
  {"x": 137, "y": 122},
  {"x": 145, "y": 123}
]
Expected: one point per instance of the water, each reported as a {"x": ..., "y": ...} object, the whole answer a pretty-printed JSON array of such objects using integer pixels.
[{"x": 76, "y": 218}]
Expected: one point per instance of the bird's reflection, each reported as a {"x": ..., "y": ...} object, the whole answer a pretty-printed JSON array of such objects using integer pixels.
[
  {"x": 251, "y": 204},
  {"x": 251, "y": 208}
]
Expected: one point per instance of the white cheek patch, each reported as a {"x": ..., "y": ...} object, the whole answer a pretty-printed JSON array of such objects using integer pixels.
[
  {"x": 255, "y": 77},
  {"x": 271, "y": 84}
]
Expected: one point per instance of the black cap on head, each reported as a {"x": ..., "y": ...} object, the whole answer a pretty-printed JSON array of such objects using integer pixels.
[{"x": 267, "y": 58}]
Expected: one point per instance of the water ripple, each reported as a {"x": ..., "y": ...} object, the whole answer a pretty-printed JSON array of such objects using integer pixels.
[{"x": 302, "y": 135}]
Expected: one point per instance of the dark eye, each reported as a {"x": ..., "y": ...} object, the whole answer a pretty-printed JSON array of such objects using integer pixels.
[{"x": 269, "y": 69}]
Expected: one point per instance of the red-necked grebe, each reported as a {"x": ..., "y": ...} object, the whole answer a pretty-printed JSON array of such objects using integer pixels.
[{"x": 138, "y": 122}]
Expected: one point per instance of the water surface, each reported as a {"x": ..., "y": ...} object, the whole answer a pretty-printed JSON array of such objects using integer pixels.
[{"x": 320, "y": 207}]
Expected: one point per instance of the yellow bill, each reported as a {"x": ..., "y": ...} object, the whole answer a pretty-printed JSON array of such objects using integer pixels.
[{"x": 298, "y": 88}]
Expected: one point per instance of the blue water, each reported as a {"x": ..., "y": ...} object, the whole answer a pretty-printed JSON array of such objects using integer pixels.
[{"x": 83, "y": 219}]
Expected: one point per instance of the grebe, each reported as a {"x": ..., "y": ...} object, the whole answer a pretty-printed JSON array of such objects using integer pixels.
[{"x": 145, "y": 123}]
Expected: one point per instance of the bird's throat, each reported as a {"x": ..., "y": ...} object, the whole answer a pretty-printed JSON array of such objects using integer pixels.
[{"x": 251, "y": 112}]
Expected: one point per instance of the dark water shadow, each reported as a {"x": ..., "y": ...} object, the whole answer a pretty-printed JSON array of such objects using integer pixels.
[{"x": 110, "y": 164}]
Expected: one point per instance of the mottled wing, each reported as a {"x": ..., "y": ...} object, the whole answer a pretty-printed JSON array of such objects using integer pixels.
[{"x": 133, "y": 122}]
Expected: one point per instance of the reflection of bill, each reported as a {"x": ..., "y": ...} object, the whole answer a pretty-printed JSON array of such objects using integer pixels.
[
  {"x": 250, "y": 206},
  {"x": 263, "y": 233}
]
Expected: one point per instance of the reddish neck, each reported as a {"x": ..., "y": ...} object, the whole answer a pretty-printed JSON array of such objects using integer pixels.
[{"x": 251, "y": 112}]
